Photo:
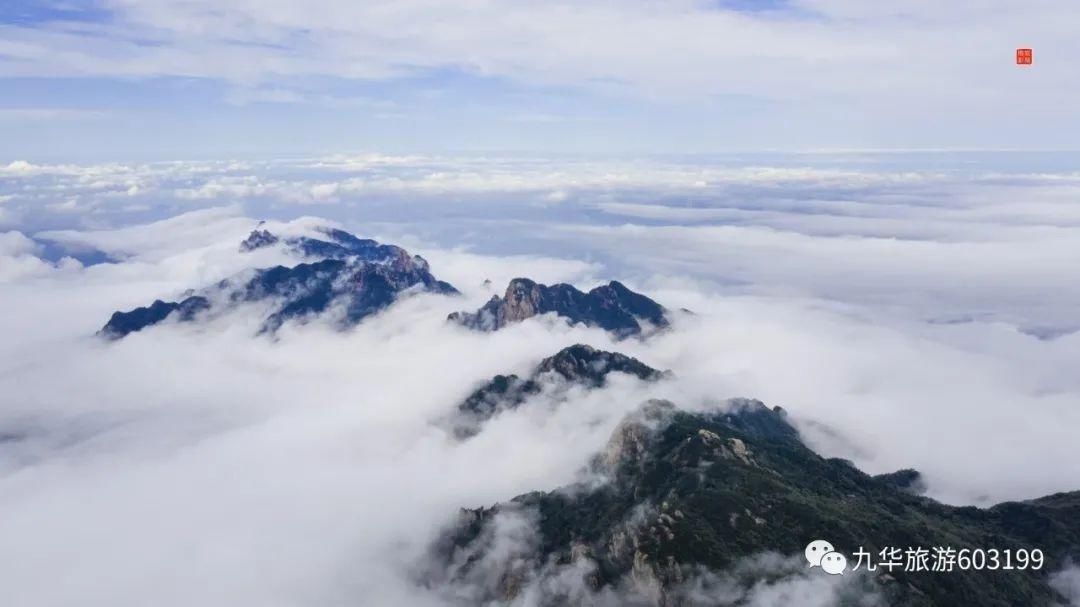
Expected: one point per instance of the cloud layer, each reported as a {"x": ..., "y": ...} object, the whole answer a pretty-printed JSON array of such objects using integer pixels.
[{"x": 893, "y": 313}]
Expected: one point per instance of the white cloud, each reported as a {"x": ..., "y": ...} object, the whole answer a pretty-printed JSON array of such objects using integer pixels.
[
  {"x": 17, "y": 257},
  {"x": 324, "y": 191},
  {"x": 18, "y": 167},
  {"x": 1067, "y": 582},
  {"x": 203, "y": 465},
  {"x": 358, "y": 471},
  {"x": 16, "y": 243},
  {"x": 908, "y": 56},
  {"x": 871, "y": 200}
]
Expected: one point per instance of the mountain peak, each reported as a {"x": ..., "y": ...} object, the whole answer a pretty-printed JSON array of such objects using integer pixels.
[
  {"x": 257, "y": 240},
  {"x": 612, "y": 307},
  {"x": 334, "y": 243},
  {"x": 586, "y": 364},
  {"x": 361, "y": 275},
  {"x": 123, "y": 323},
  {"x": 574, "y": 365}
]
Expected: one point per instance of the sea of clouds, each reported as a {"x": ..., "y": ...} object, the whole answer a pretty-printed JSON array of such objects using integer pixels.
[{"x": 906, "y": 312}]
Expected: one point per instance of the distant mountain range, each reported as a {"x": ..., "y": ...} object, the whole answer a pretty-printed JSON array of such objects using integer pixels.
[{"x": 359, "y": 277}]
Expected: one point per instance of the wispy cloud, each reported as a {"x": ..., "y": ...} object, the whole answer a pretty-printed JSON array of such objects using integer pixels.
[{"x": 797, "y": 62}]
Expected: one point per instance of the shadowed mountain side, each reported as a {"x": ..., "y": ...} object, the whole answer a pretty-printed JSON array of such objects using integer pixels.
[
  {"x": 358, "y": 284},
  {"x": 122, "y": 323}
]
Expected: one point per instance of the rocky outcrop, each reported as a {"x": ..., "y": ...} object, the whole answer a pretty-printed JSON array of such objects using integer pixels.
[
  {"x": 612, "y": 307},
  {"x": 579, "y": 365}
]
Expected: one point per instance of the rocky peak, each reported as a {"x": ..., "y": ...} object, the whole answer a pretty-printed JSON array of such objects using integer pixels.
[
  {"x": 361, "y": 275},
  {"x": 522, "y": 300},
  {"x": 257, "y": 240},
  {"x": 335, "y": 244},
  {"x": 612, "y": 307},
  {"x": 586, "y": 364},
  {"x": 579, "y": 365},
  {"x": 124, "y": 323}
]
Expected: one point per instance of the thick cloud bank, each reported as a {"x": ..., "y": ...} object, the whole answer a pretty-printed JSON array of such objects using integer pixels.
[{"x": 201, "y": 464}]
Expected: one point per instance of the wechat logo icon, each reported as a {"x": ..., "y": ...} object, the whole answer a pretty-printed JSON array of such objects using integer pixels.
[{"x": 820, "y": 553}]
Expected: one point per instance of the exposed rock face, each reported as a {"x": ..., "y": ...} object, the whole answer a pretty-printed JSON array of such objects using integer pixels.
[
  {"x": 630, "y": 439},
  {"x": 575, "y": 365},
  {"x": 706, "y": 492},
  {"x": 359, "y": 277},
  {"x": 612, "y": 307}
]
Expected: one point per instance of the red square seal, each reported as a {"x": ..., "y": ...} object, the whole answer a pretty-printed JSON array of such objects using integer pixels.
[{"x": 1023, "y": 56}]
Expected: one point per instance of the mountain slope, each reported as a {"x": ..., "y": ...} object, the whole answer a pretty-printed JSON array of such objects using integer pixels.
[
  {"x": 361, "y": 277},
  {"x": 122, "y": 323},
  {"x": 705, "y": 492}
]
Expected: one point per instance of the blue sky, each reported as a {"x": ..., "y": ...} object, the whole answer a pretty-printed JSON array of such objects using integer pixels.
[{"x": 155, "y": 79}]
